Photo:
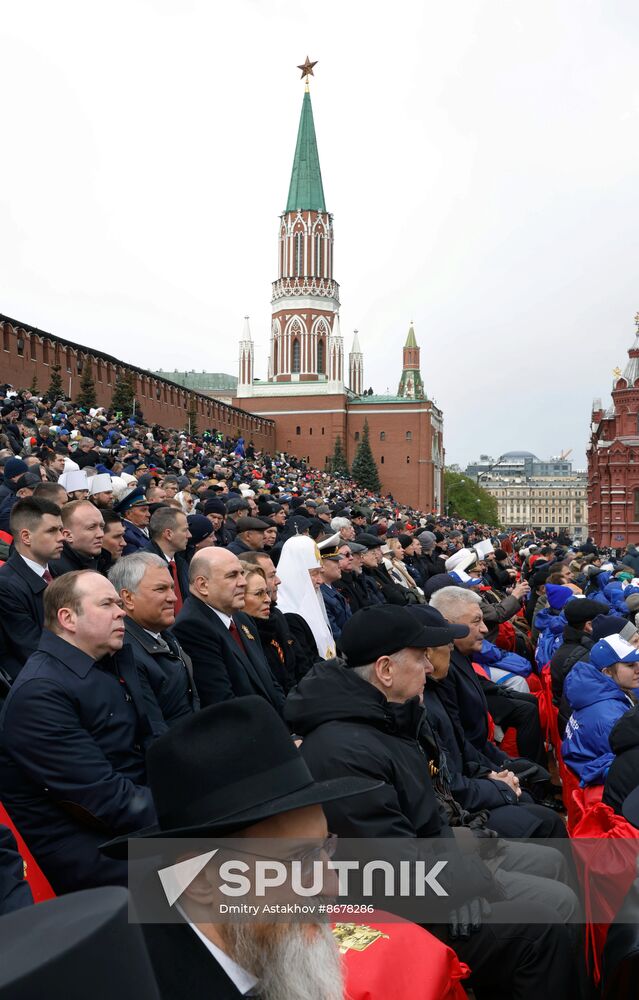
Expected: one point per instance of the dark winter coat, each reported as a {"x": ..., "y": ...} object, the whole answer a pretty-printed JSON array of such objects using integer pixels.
[
  {"x": 71, "y": 560},
  {"x": 349, "y": 729},
  {"x": 574, "y": 649},
  {"x": 73, "y": 737},
  {"x": 353, "y": 587},
  {"x": 337, "y": 609}
]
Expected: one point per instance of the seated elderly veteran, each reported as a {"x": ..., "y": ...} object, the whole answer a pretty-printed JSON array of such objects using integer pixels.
[
  {"x": 134, "y": 508},
  {"x": 146, "y": 588},
  {"x": 337, "y": 607},
  {"x": 470, "y": 697},
  {"x": 73, "y": 735},
  {"x": 363, "y": 716},
  {"x": 194, "y": 771},
  {"x": 600, "y": 692}
]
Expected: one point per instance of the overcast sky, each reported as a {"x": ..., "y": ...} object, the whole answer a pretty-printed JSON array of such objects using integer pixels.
[{"x": 480, "y": 159}]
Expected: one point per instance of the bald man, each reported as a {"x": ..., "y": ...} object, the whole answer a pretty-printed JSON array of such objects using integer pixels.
[{"x": 223, "y": 643}]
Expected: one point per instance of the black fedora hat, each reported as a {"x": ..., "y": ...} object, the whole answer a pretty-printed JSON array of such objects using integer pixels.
[
  {"x": 73, "y": 946},
  {"x": 227, "y": 767}
]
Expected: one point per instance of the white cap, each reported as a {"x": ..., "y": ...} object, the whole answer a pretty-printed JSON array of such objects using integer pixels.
[
  {"x": 100, "y": 484},
  {"x": 484, "y": 548},
  {"x": 460, "y": 560},
  {"x": 74, "y": 480}
]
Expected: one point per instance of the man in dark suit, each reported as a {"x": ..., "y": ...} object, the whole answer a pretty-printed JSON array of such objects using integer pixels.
[
  {"x": 169, "y": 532},
  {"x": 228, "y": 660},
  {"x": 145, "y": 586},
  {"x": 73, "y": 736},
  {"x": 36, "y": 527}
]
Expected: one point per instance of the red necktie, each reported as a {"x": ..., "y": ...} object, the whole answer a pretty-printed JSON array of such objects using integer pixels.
[
  {"x": 176, "y": 585},
  {"x": 46, "y": 576},
  {"x": 235, "y": 635}
]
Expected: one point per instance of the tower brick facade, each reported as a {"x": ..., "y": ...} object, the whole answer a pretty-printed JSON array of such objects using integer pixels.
[
  {"x": 304, "y": 393},
  {"x": 613, "y": 459}
]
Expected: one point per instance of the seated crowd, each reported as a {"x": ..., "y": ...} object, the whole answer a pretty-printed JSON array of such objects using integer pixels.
[{"x": 180, "y": 613}]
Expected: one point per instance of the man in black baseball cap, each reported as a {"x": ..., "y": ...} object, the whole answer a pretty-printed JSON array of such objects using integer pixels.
[{"x": 363, "y": 716}]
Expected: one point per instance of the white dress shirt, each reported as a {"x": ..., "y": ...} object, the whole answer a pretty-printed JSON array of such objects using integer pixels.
[
  {"x": 225, "y": 619},
  {"x": 244, "y": 981},
  {"x": 36, "y": 567}
]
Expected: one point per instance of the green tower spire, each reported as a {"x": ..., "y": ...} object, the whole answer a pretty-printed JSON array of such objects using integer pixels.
[{"x": 306, "y": 190}]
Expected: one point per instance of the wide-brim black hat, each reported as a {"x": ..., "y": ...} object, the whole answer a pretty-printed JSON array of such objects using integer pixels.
[
  {"x": 73, "y": 946},
  {"x": 228, "y": 767}
]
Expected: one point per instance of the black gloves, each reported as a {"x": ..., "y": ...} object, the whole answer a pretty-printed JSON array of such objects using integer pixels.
[{"x": 467, "y": 918}]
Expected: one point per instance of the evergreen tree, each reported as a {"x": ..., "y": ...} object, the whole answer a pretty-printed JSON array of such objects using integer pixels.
[
  {"x": 468, "y": 500},
  {"x": 55, "y": 390},
  {"x": 337, "y": 462},
  {"x": 123, "y": 393},
  {"x": 34, "y": 384},
  {"x": 87, "y": 397},
  {"x": 364, "y": 470},
  {"x": 191, "y": 424}
]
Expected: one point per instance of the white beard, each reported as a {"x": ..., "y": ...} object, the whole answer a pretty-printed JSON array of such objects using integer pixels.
[{"x": 291, "y": 961}]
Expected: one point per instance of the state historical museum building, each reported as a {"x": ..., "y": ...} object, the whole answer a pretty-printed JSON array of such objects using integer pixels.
[
  {"x": 613, "y": 459},
  {"x": 312, "y": 396}
]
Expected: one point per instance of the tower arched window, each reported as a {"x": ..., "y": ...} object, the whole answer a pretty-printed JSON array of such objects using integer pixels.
[
  {"x": 382, "y": 435},
  {"x": 299, "y": 254},
  {"x": 296, "y": 358},
  {"x": 321, "y": 358},
  {"x": 319, "y": 245}
]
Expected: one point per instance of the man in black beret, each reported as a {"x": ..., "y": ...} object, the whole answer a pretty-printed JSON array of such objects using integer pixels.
[{"x": 579, "y": 613}]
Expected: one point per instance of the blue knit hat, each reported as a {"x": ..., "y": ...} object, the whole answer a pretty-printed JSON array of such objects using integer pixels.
[{"x": 558, "y": 595}]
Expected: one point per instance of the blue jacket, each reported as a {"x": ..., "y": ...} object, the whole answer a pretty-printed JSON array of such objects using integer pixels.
[
  {"x": 73, "y": 736},
  {"x": 337, "y": 609},
  {"x": 550, "y": 626},
  {"x": 135, "y": 538},
  {"x": 492, "y": 656},
  {"x": 597, "y": 702}
]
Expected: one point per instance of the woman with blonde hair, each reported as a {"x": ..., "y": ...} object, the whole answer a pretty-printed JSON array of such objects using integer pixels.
[{"x": 393, "y": 553}]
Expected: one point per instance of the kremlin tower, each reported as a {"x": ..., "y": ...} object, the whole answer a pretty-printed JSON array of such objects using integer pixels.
[{"x": 305, "y": 391}]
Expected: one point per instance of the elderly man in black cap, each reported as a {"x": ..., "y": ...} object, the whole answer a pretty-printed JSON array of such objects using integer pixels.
[
  {"x": 135, "y": 511},
  {"x": 249, "y": 535},
  {"x": 194, "y": 774},
  {"x": 363, "y": 716},
  {"x": 351, "y": 583},
  {"x": 337, "y": 607}
]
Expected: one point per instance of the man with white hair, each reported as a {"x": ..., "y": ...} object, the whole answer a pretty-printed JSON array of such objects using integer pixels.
[
  {"x": 469, "y": 697},
  {"x": 343, "y": 527}
]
